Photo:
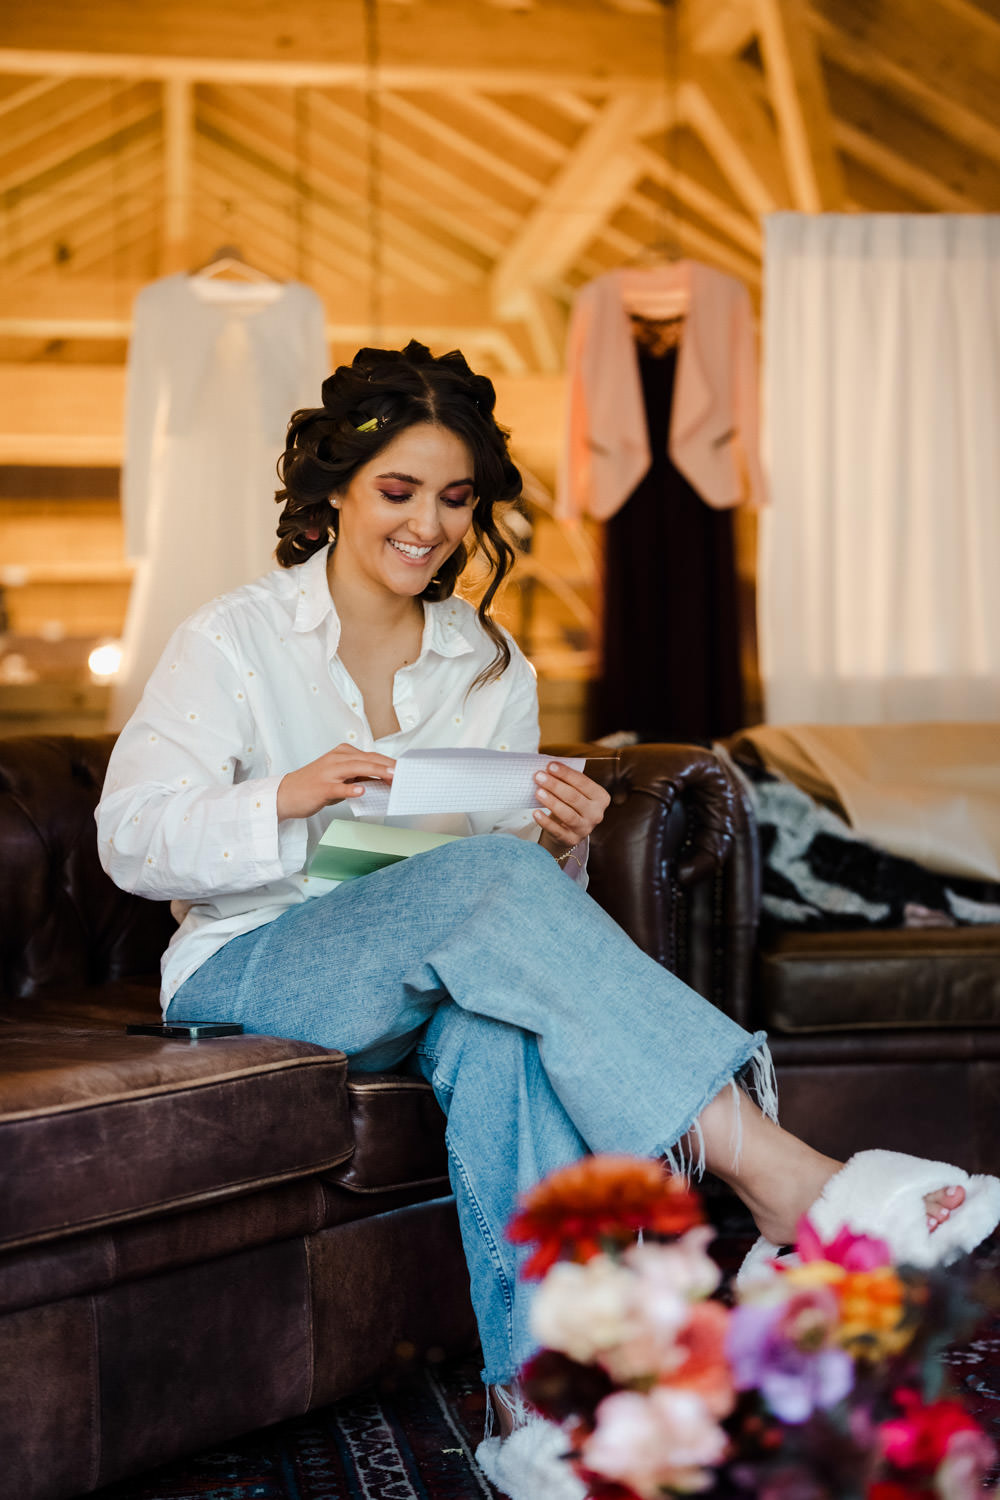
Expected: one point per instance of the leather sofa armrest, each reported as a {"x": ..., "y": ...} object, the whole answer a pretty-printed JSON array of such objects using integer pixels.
[{"x": 675, "y": 863}]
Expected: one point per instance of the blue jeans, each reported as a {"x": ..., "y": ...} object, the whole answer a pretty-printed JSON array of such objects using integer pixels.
[{"x": 544, "y": 1031}]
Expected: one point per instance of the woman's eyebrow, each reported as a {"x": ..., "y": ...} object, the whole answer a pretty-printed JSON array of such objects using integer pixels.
[{"x": 410, "y": 479}]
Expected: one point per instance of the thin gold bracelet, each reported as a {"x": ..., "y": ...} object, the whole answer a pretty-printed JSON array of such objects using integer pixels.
[{"x": 568, "y": 854}]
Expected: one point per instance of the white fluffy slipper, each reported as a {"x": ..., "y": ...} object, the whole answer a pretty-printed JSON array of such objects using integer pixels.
[
  {"x": 529, "y": 1465},
  {"x": 881, "y": 1194}
]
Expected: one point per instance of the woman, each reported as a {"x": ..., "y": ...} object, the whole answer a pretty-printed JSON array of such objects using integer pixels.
[{"x": 544, "y": 1031}]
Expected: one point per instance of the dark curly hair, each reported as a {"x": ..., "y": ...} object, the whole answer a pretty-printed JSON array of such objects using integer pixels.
[{"x": 365, "y": 405}]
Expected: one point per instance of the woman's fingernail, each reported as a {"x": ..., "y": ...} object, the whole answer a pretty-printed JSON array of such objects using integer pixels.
[{"x": 541, "y": 778}]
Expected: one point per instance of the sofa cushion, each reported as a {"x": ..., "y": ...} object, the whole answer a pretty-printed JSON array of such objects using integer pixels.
[
  {"x": 921, "y": 978},
  {"x": 398, "y": 1135},
  {"x": 97, "y": 1127}
]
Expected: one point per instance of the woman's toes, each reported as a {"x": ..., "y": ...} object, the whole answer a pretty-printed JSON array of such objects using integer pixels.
[{"x": 940, "y": 1205}]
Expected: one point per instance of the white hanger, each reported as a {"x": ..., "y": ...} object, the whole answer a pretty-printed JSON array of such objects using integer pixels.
[{"x": 228, "y": 276}]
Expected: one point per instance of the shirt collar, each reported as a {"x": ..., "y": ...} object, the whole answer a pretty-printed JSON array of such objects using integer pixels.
[
  {"x": 444, "y": 631},
  {"x": 314, "y": 602}
]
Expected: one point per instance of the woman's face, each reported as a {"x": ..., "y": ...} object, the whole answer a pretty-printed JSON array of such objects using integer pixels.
[{"x": 404, "y": 513}]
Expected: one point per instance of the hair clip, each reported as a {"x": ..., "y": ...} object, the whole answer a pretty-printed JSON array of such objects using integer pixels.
[{"x": 370, "y": 426}]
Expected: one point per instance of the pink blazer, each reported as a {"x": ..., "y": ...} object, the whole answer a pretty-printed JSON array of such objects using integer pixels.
[{"x": 714, "y": 420}]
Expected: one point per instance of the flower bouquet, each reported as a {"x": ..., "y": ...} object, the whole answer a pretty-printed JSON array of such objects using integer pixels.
[{"x": 822, "y": 1381}]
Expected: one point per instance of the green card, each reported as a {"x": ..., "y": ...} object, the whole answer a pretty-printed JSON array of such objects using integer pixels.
[{"x": 347, "y": 850}]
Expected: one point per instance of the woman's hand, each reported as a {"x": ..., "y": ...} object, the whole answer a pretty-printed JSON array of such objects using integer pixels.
[
  {"x": 572, "y": 807},
  {"x": 332, "y": 778}
]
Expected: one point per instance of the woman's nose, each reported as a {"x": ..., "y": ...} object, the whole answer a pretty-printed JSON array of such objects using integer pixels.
[{"x": 423, "y": 520}]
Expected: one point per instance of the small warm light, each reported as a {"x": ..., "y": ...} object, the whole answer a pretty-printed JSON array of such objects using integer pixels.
[{"x": 105, "y": 660}]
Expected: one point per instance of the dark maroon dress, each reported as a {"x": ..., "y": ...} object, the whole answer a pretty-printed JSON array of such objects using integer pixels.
[{"x": 671, "y": 651}]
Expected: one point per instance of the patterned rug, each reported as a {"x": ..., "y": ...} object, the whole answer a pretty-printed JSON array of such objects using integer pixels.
[
  {"x": 413, "y": 1443},
  {"x": 416, "y": 1442}
]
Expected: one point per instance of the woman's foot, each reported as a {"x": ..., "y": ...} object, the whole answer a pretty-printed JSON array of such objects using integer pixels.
[
  {"x": 509, "y": 1408},
  {"x": 778, "y": 1177}
]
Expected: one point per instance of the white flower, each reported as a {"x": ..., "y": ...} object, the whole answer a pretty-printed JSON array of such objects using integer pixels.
[
  {"x": 581, "y": 1310},
  {"x": 662, "y": 1440}
]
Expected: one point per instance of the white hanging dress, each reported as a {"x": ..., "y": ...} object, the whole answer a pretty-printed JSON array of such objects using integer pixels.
[{"x": 216, "y": 369}]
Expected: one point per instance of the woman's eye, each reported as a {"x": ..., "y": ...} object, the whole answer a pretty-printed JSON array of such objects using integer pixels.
[
  {"x": 397, "y": 495},
  {"x": 457, "y": 502}
]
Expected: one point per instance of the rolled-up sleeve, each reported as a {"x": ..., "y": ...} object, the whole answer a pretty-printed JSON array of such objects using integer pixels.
[{"x": 179, "y": 817}]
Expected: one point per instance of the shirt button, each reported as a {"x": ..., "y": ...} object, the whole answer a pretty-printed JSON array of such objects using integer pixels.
[{"x": 352, "y": 735}]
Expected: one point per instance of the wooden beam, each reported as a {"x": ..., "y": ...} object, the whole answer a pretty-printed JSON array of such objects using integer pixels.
[
  {"x": 738, "y": 131},
  {"x": 314, "y": 42},
  {"x": 460, "y": 144},
  {"x": 61, "y": 415},
  {"x": 580, "y": 197},
  {"x": 716, "y": 26},
  {"x": 405, "y": 242},
  {"x": 72, "y": 414},
  {"x": 903, "y": 147},
  {"x": 944, "y": 66},
  {"x": 798, "y": 91},
  {"x": 680, "y": 170},
  {"x": 683, "y": 183},
  {"x": 50, "y": 307},
  {"x": 546, "y": 321},
  {"x": 477, "y": 219},
  {"x": 28, "y": 95},
  {"x": 642, "y": 222},
  {"x": 71, "y": 208},
  {"x": 93, "y": 120},
  {"x": 178, "y": 135}
]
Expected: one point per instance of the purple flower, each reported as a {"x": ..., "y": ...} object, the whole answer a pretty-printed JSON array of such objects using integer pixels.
[{"x": 793, "y": 1381}]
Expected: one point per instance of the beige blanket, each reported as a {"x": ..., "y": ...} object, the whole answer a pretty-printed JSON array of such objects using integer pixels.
[{"x": 929, "y": 792}]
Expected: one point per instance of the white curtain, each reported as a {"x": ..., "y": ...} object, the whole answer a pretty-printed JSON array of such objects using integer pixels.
[{"x": 880, "y": 552}]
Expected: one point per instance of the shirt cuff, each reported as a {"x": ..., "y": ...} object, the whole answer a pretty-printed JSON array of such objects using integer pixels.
[{"x": 279, "y": 849}]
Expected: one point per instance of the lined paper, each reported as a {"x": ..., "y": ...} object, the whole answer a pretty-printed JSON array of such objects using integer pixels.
[{"x": 458, "y": 781}]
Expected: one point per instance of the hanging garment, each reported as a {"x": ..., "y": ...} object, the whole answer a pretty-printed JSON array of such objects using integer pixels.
[
  {"x": 713, "y": 434},
  {"x": 216, "y": 369},
  {"x": 670, "y": 657}
]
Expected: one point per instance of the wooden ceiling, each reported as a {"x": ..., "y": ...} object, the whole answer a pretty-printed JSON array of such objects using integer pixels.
[{"x": 455, "y": 169}]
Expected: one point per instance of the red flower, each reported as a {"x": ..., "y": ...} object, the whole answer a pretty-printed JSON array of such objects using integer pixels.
[
  {"x": 597, "y": 1204},
  {"x": 919, "y": 1439},
  {"x": 892, "y": 1489}
]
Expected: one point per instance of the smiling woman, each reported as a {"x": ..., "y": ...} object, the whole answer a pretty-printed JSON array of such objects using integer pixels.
[
  {"x": 349, "y": 448},
  {"x": 544, "y": 1031}
]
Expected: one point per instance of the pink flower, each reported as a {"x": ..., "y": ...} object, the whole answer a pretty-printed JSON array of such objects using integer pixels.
[
  {"x": 663, "y": 1440},
  {"x": 960, "y": 1473},
  {"x": 855, "y": 1252},
  {"x": 664, "y": 1281}
]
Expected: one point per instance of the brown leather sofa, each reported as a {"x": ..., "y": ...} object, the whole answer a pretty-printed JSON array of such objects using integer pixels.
[
  {"x": 199, "y": 1239},
  {"x": 880, "y": 1037},
  {"x": 196, "y": 1240}
]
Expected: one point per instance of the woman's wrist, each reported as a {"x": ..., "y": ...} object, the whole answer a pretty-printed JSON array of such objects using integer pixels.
[{"x": 560, "y": 852}]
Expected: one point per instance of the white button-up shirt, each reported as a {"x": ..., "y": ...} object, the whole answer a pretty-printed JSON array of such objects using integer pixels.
[{"x": 248, "y": 689}]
